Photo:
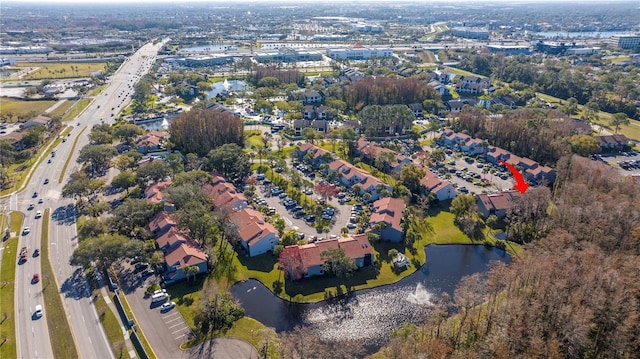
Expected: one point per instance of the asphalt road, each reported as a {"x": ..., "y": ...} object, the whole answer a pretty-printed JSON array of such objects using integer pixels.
[
  {"x": 164, "y": 331},
  {"x": 32, "y": 332},
  {"x": 33, "y": 337}
]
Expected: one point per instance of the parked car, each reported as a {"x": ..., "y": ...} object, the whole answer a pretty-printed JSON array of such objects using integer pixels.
[{"x": 167, "y": 306}]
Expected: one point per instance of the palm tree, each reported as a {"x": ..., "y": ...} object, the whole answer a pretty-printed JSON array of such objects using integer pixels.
[{"x": 190, "y": 270}]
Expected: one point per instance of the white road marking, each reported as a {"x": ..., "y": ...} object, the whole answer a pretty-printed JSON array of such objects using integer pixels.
[
  {"x": 172, "y": 320},
  {"x": 175, "y": 325},
  {"x": 179, "y": 330}
]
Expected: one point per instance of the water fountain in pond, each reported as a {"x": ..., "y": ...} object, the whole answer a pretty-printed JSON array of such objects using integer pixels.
[
  {"x": 226, "y": 85},
  {"x": 165, "y": 124},
  {"x": 420, "y": 296}
]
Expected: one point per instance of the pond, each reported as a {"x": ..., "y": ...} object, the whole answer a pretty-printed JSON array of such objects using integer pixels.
[
  {"x": 226, "y": 85},
  {"x": 372, "y": 314}
]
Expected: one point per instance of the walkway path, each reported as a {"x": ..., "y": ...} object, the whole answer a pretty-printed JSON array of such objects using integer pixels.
[{"x": 54, "y": 106}]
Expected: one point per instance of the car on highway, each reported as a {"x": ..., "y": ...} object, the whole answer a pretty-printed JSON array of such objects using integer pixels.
[
  {"x": 38, "y": 214},
  {"x": 31, "y": 206},
  {"x": 35, "y": 279},
  {"x": 40, "y": 201},
  {"x": 26, "y": 230},
  {"x": 167, "y": 306},
  {"x": 46, "y": 181},
  {"x": 38, "y": 311},
  {"x": 35, "y": 194},
  {"x": 36, "y": 252}
]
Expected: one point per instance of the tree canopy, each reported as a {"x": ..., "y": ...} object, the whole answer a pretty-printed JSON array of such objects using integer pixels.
[{"x": 201, "y": 130}]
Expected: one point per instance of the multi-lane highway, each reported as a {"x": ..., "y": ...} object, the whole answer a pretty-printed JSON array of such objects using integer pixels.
[{"x": 33, "y": 337}]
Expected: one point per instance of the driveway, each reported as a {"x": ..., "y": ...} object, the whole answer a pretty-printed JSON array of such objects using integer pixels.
[
  {"x": 223, "y": 348},
  {"x": 164, "y": 331}
]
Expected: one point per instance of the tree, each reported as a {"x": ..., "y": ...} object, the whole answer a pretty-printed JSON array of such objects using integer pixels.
[
  {"x": 197, "y": 218},
  {"x": 384, "y": 160},
  {"x": 97, "y": 157},
  {"x": 584, "y": 145},
  {"x": 127, "y": 132},
  {"x": 201, "y": 130},
  {"x": 410, "y": 176},
  {"x": 106, "y": 248},
  {"x": 571, "y": 106},
  {"x": 92, "y": 227},
  {"x": 289, "y": 237},
  {"x": 590, "y": 112},
  {"x": 438, "y": 155},
  {"x": 392, "y": 253},
  {"x": 229, "y": 161},
  {"x": 290, "y": 262},
  {"x": 386, "y": 120},
  {"x": 336, "y": 261},
  {"x": 190, "y": 271},
  {"x": 124, "y": 163},
  {"x": 124, "y": 180},
  {"x": 80, "y": 186},
  {"x": 155, "y": 171},
  {"x": 216, "y": 310},
  {"x": 310, "y": 135},
  {"x": 131, "y": 217},
  {"x": 618, "y": 120},
  {"x": 325, "y": 191}
]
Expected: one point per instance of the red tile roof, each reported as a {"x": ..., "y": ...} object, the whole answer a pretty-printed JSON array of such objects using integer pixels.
[
  {"x": 185, "y": 255},
  {"x": 161, "y": 220},
  {"x": 171, "y": 238},
  {"x": 153, "y": 193},
  {"x": 388, "y": 210}
]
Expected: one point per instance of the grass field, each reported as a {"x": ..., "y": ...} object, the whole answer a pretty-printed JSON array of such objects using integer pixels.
[
  {"x": 632, "y": 131},
  {"x": 22, "y": 108},
  {"x": 75, "y": 110},
  {"x": 66, "y": 162},
  {"x": 460, "y": 72},
  {"x": 61, "y": 70},
  {"x": 427, "y": 57},
  {"x": 111, "y": 326},
  {"x": 8, "y": 348},
  {"x": 60, "y": 110},
  {"x": 59, "y": 331}
]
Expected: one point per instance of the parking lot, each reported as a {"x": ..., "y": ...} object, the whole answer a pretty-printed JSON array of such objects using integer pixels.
[
  {"x": 466, "y": 174},
  {"x": 628, "y": 163},
  {"x": 340, "y": 217},
  {"x": 165, "y": 331}
]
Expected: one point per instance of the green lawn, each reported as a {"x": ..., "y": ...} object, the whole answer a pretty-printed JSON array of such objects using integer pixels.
[
  {"x": 632, "y": 130},
  {"x": 7, "y": 289},
  {"x": 60, "y": 110},
  {"x": 59, "y": 331},
  {"x": 73, "y": 148},
  {"x": 460, "y": 72},
  {"x": 111, "y": 326},
  {"x": 22, "y": 108},
  {"x": 74, "y": 111},
  {"x": 61, "y": 70}
]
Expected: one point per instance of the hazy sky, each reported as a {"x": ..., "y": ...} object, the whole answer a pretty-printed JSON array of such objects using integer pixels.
[{"x": 301, "y": 2}]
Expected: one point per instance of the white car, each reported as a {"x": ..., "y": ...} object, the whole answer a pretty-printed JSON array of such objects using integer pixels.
[
  {"x": 38, "y": 214},
  {"x": 159, "y": 291},
  {"x": 38, "y": 311},
  {"x": 167, "y": 306},
  {"x": 26, "y": 230}
]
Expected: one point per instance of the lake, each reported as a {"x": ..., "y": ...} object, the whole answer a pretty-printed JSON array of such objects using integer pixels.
[
  {"x": 372, "y": 314},
  {"x": 226, "y": 85}
]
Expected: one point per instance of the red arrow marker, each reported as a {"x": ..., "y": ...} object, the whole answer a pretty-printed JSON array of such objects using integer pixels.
[{"x": 521, "y": 185}]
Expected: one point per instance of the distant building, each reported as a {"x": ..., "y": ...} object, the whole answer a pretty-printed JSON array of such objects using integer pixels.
[
  {"x": 201, "y": 61},
  {"x": 478, "y": 33},
  {"x": 625, "y": 41},
  {"x": 508, "y": 49},
  {"x": 359, "y": 52},
  {"x": 285, "y": 54}
]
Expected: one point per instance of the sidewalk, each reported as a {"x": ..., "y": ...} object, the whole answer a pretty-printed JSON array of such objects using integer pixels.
[{"x": 127, "y": 340}]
